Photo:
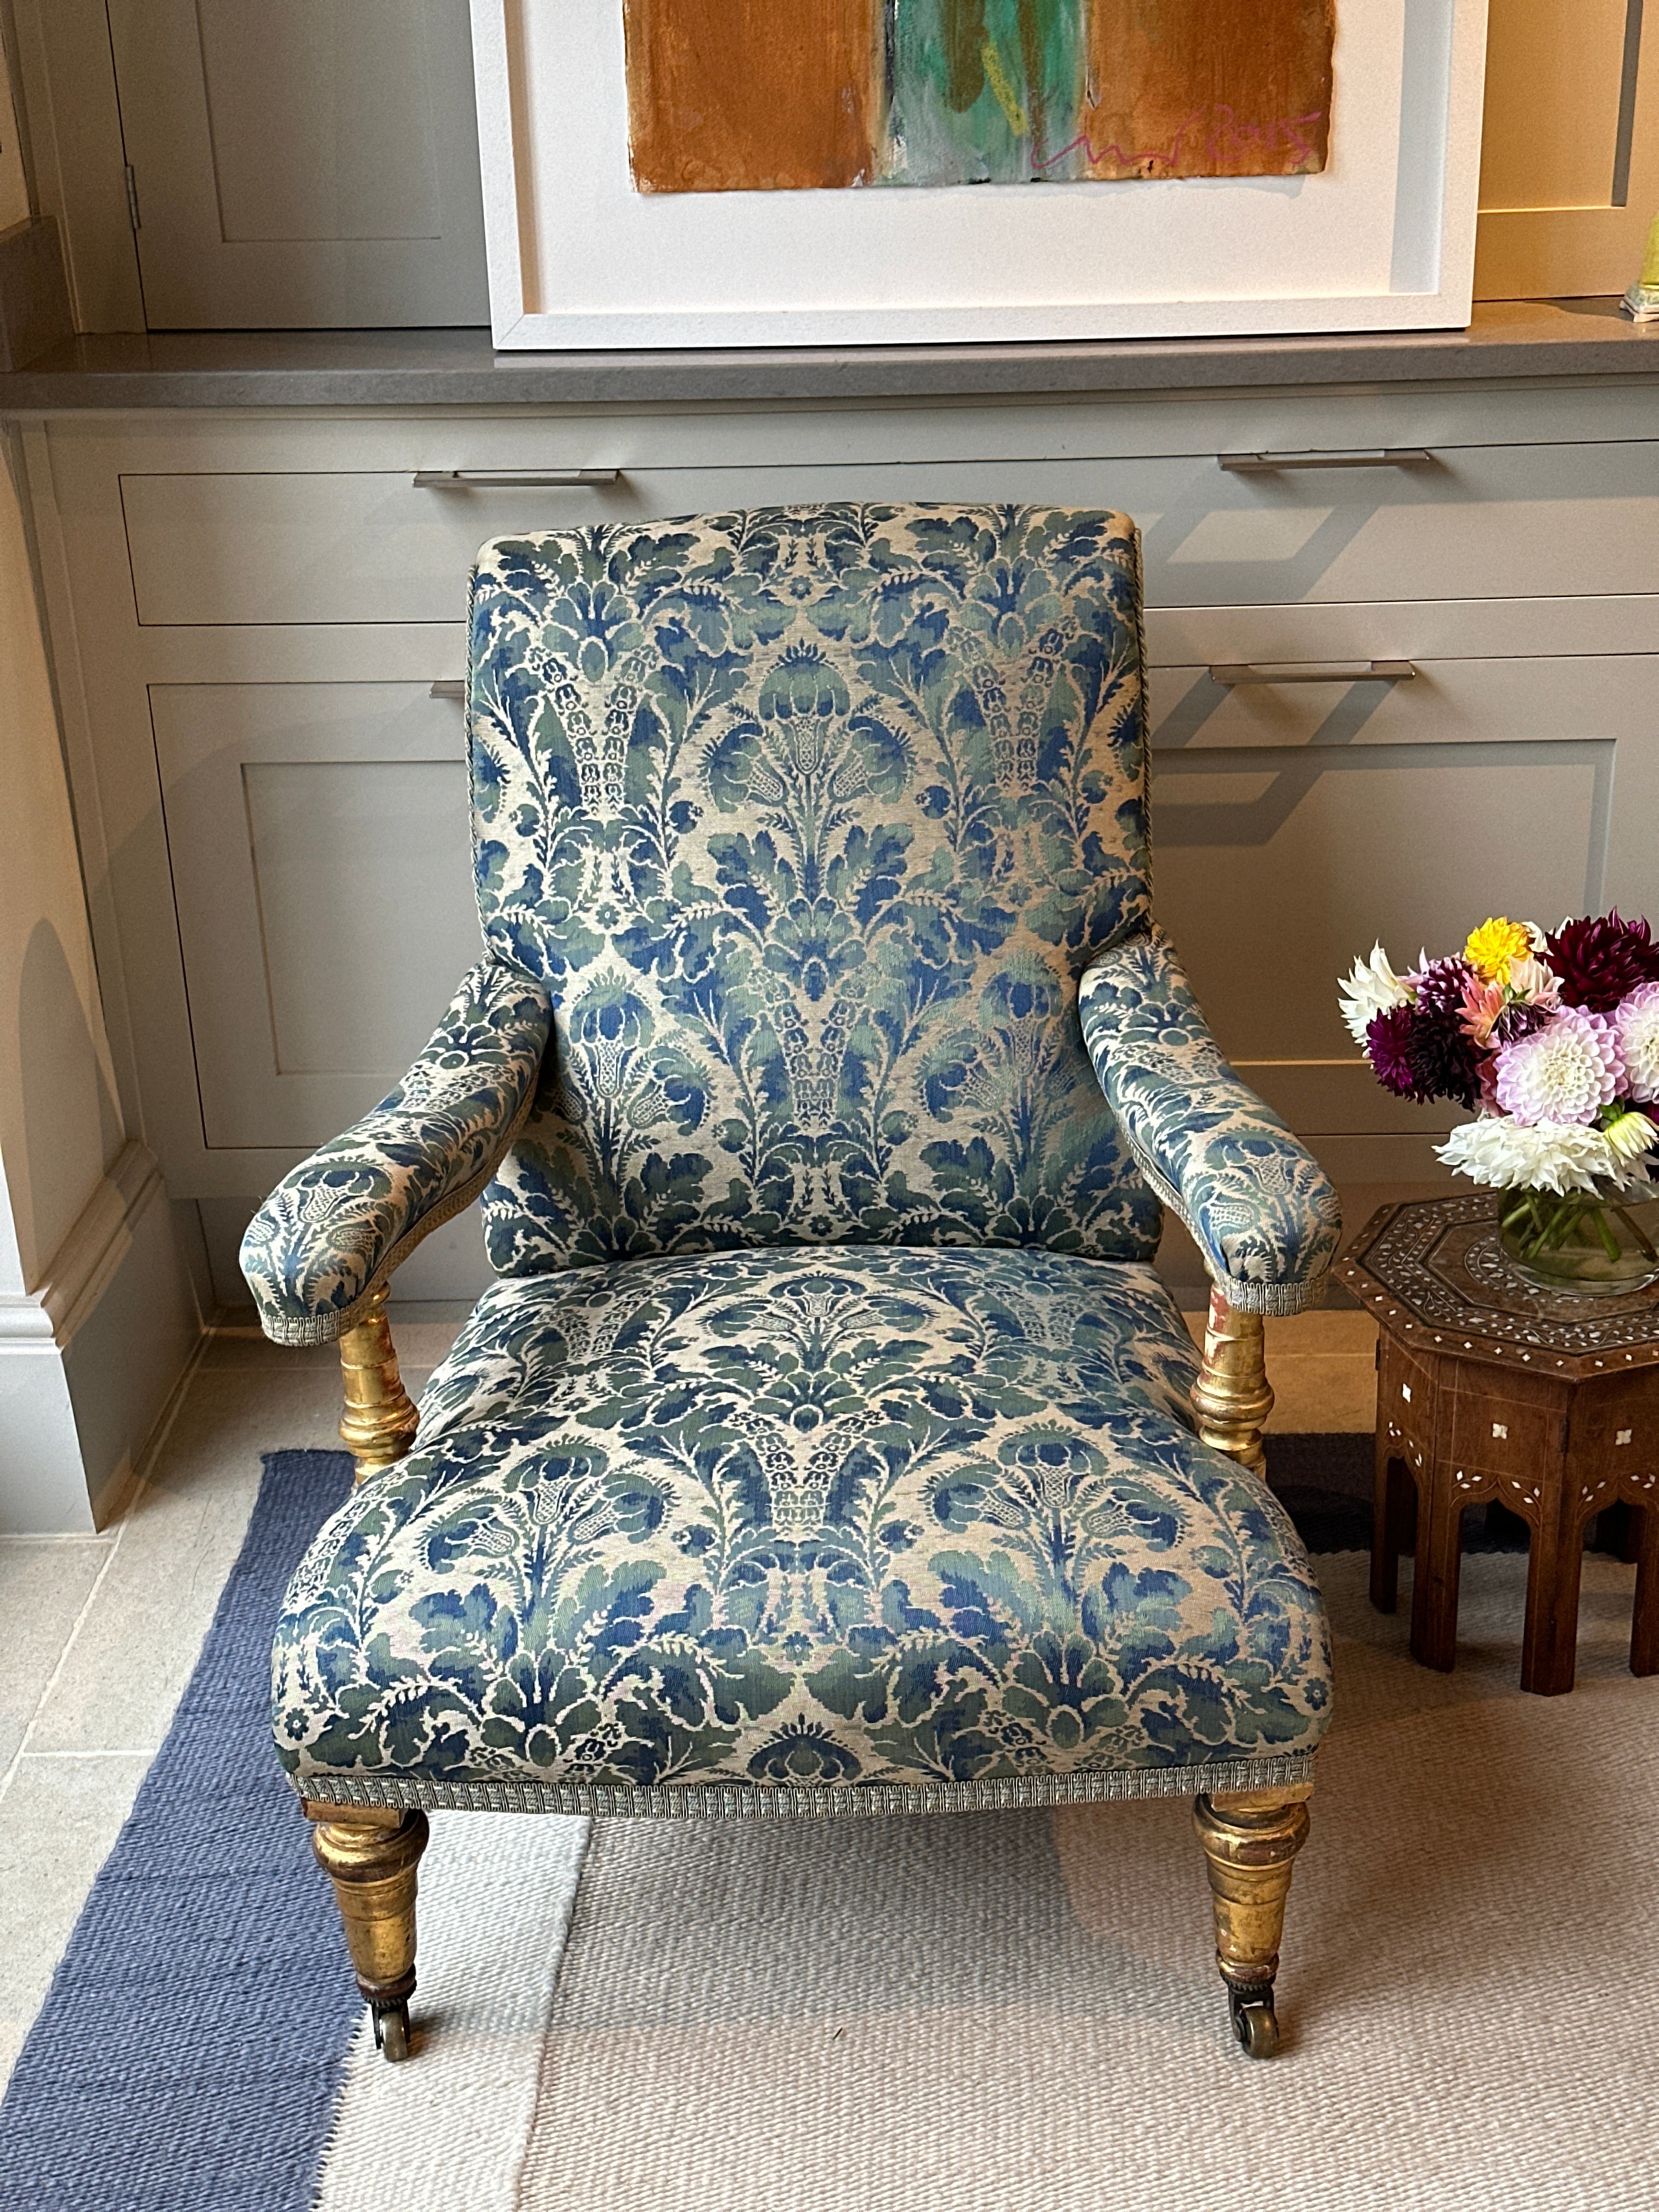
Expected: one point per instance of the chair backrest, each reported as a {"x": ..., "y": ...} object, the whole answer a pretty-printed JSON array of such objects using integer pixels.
[{"x": 811, "y": 818}]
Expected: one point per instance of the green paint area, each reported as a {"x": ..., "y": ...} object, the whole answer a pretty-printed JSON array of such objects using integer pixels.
[{"x": 981, "y": 91}]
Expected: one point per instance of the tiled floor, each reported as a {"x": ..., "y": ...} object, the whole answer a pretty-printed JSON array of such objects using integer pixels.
[{"x": 102, "y": 1632}]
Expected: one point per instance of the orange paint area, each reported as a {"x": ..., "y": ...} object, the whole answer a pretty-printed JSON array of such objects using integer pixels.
[
  {"x": 756, "y": 95},
  {"x": 775, "y": 95},
  {"x": 1205, "y": 88}
]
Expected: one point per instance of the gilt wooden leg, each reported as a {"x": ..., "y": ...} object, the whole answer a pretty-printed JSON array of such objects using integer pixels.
[
  {"x": 381, "y": 1418},
  {"x": 370, "y": 1854},
  {"x": 1231, "y": 1397},
  {"x": 1250, "y": 1842}
]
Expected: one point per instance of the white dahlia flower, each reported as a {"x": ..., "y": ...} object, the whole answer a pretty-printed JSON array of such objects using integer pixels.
[
  {"x": 1555, "y": 1156},
  {"x": 1565, "y": 1071},
  {"x": 1631, "y": 1136},
  {"x": 1534, "y": 983},
  {"x": 1371, "y": 988},
  {"x": 1636, "y": 1019}
]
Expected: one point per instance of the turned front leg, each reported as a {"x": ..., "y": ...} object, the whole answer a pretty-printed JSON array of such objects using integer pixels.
[
  {"x": 370, "y": 1854},
  {"x": 1231, "y": 1396},
  {"x": 1250, "y": 1841},
  {"x": 381, "y": 1418}
]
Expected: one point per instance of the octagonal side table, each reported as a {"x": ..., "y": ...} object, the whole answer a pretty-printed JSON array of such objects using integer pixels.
[{"x": 1488, "y": 1388}]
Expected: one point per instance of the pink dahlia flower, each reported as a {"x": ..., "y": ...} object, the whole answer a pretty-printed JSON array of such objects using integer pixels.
[
  {"x": 1637, "y": 1021},
  {"x": 1565, "y": 1071}
]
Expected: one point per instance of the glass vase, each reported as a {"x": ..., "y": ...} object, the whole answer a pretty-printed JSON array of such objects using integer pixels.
[{"x": 1589, "y": 1244}]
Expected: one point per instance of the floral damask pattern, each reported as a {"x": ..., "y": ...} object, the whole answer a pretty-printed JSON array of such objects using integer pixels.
[
  {"x": 795, "y": 832},
  {"x": 315, "y": 1245},
  {"x": 811, "y": 819},
  {"x": 1257, "y": 1203},
  {"x": 848, "y": 1515}
]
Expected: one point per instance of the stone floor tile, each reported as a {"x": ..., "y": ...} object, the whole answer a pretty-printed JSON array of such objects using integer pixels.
[
  {"x": 177, "y": 1542},
  {"x": 58, "y": 1818},
  {"x": 44, "y": 1583}
]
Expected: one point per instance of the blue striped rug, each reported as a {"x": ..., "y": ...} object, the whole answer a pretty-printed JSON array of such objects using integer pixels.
[
  {"x": 189, "y": 2053},
  {"x": 203, "y": 2045}
]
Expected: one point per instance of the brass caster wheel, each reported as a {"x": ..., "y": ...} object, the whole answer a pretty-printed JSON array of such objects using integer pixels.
[
  {"x": 1254, "y": 2022},
  {"x": 391, "y": 2031}
]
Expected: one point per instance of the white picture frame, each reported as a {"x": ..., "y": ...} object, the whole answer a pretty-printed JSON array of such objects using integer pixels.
[{"x": 1383, "y": 239}]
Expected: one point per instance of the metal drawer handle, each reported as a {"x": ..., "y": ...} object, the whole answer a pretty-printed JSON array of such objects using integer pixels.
[
  {"x": 448, "y": 687},
  {"x": 470, "y": 479},
  {"x": 1379, "y": 457},
  {"x": 1313, "y": 671}
]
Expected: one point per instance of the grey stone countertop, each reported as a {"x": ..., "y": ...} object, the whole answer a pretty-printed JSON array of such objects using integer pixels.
[{"x": 1506, "y": 340}]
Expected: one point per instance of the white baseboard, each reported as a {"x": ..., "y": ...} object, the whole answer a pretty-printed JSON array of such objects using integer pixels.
[{"x": 91, "y": 1357}]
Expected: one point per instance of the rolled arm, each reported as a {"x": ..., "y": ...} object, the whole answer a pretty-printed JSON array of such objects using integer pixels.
[
  {"x": 332, "y": 1231},
  {"x": 1257, "y": 1203}
]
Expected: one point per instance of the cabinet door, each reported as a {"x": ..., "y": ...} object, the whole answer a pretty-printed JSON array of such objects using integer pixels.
[
  {"x": 323, "y": 881},
  {"x": 1570, "y": 150},
  {"x": 303, "y": 164}
]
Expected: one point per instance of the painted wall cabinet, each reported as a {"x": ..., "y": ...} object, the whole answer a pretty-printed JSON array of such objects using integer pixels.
[
  {"x": 250, "y": 615},
  {"x": 301, "y": 164}
]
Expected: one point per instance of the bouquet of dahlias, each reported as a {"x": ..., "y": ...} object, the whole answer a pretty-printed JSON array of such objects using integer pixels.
[{"x": 1555, "y": 1040}]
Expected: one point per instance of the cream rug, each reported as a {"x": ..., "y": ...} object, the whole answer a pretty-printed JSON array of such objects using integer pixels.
[{"x": 985, "y": 2013}]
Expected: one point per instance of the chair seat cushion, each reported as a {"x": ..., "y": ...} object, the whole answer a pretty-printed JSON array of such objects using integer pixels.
[{"x": 852, "y": 1517}]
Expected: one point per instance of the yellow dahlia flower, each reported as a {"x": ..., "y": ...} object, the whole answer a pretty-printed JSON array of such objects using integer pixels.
[{"x": 1493, "y": 946}]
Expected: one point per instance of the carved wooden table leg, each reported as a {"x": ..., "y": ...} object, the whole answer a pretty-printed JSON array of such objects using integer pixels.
[
  {"x": 381, "y": 1418},
  {"x": 1494, "y": 1391},
  {"x": 1391, "y": 1519},
  {"x": 1250, "y": 1842},
  {"x": 1438, "y": 1571},
  {"x": 1549, "y": 1644},
  {"x": 370, "y": 1854},
  {"x": 1616, "y": 1533},
  {"x": 1645, "y": 1628}
]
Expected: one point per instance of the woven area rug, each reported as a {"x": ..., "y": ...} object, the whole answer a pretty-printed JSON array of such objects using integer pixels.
[{"x": 976, "y": 2011}]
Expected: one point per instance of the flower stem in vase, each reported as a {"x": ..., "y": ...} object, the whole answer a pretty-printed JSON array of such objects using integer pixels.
[{"x": 1642, "y": 1239}]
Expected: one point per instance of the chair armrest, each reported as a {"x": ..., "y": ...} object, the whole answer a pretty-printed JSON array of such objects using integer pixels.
[
  {"x": 1257, "y": 1203},
  {"x": 331, "y": 1232}
]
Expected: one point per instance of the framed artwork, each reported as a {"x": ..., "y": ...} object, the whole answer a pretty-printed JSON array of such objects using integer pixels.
[{"x": 699, "y": 172}]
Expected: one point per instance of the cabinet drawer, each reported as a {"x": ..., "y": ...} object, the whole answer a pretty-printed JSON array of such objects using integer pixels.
[
  {"x": 1470, "y": 522},
  {"x": 1294, "y": 824},
  {"x": 322, "y": 881}
]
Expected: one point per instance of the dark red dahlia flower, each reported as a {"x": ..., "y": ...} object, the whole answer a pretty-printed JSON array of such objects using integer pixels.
[
  {"x": 1445, "y": 1056},
  {"x": 1444, "y": 1059},
  {"x": 1423, "y": 1051},
  {"x": 1601, "y": 959},
  {"x": 1388, "y": 1045},
  {"x": 1518, "y": 1021},
  {"x": 1440, "y": 986}
]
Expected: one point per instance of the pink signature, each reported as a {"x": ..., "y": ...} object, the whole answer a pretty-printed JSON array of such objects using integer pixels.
[{"x": 1225, "y": 134}]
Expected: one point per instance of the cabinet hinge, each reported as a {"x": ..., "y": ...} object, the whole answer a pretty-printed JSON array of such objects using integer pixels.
[{"x": 132, "y": 198}]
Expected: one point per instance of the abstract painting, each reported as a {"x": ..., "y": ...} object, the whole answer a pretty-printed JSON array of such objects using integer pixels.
[{"x": 787, "y": 95}]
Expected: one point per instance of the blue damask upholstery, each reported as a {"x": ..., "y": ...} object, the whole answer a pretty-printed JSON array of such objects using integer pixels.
[
  {"x": 826, "y": 1443},
  {"x": 893, "y": 1518},
  {"x": 1259, "y": 1205},
  {"x": 344, "y": 1219},
  {"x": 810, "y": 818}
]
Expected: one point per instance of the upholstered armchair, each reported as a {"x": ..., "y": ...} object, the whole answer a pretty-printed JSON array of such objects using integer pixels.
[{"x": 827, "y": 1444}]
